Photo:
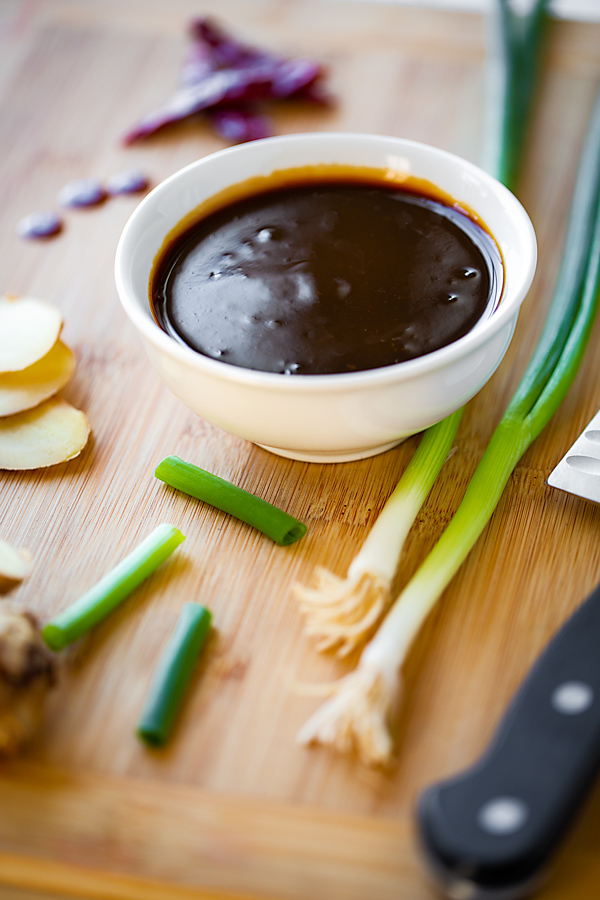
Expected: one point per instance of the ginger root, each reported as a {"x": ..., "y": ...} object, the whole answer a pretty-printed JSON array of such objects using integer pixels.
[{"x": 27, "y": 671}]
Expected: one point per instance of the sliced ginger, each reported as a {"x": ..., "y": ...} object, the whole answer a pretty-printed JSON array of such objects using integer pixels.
[
  {"x": 31, "y": 386},
  {"x": 29, "y": 328},
  {"x": 52, "y": 433}
]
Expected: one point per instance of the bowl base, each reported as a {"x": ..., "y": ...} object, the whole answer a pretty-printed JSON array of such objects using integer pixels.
[{"x": 332, "y": 456}]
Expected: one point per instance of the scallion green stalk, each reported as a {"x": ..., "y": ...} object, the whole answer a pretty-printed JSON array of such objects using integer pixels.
[
  {"x": 171, "y": 678},
  {"x": 512, "y": 63},
  {"x": 203, "y": 485},
  {"x": 111, "y": 590}
]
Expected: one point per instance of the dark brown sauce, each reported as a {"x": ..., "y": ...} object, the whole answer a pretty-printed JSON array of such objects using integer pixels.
[{"x": 326, "y": 276}]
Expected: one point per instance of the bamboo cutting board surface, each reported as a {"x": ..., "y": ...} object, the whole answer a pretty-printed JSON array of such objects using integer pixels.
[{"x": 233, "y": 808}]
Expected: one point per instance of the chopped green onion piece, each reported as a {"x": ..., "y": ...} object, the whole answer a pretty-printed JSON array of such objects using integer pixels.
[
  {"x": 202, "y": 485},
  {"x": 111, "y": 590},
  {"x": 173, "y": 673}
]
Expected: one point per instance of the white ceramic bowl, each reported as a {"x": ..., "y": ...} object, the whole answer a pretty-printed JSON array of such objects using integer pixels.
[{"x": 327, "y": 418}]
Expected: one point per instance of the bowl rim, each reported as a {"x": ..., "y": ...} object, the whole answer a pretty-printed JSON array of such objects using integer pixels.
[{"x": 480, "y": 334}]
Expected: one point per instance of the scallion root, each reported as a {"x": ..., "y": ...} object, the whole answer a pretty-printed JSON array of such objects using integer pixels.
[
  {"x": 343, "y": 613},
  {"x": 356, "y": 717}
]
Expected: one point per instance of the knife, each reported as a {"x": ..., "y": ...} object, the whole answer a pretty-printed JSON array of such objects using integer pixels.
[
  {"x": 578, "y": 472},
  {"x": 488, "y": 833}
]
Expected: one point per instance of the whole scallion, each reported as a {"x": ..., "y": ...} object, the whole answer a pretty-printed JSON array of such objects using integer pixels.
[
  {"x": 342, "y": 613},
  {"x": 172, "y": 675},
  {"x": 111, "y": 590},
  {"x": 358, "y": 713},
  {"x": 203, "y": 485}
]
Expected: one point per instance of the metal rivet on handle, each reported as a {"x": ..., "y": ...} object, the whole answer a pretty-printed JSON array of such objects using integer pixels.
[
  {"x": 572, "y": 697},
  {"x": 503, "y": 815}
]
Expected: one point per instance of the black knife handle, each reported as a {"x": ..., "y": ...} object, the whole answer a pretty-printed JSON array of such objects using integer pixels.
[{"x": 494, "y": 826}]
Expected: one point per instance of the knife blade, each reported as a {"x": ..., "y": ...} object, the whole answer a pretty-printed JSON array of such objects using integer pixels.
[
  {"x": 578, "y": 472},
  {"x": 488, "y": 833}
]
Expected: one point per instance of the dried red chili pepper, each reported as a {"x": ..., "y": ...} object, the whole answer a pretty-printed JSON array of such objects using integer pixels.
[{"x": 225, "y": 78}]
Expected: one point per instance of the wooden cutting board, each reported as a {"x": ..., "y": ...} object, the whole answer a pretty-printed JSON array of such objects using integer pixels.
[{"x": 233, "y": 808}]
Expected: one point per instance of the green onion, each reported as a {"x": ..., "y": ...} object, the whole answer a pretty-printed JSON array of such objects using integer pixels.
[
  {"x": 344, "y": 612},
  {"x": 358, "y": 713},
  {"x": 196, "y": 482},
  {"x": 111, "y": 590},
  {"x": 173, "y": 673}
]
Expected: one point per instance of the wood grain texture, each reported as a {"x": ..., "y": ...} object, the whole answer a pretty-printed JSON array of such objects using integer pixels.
[{"x": 233, "y": 808}]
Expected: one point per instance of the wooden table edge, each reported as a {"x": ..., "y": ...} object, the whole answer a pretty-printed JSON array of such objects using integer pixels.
[{"x": 102, "y": 836}]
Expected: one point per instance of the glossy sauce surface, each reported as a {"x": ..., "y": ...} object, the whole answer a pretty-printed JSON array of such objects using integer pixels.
[{"x": 326, "y": 277}]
